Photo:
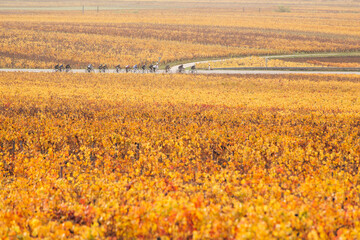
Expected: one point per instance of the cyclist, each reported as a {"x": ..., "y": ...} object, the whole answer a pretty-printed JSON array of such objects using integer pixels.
[
  {"x": 135, "y": 68},
  {"x": 127, "y": 68},
  {"x": 68, "y": 68},
  {"x": 118, "y": 68},
  {"x": 89, "y": 68}
]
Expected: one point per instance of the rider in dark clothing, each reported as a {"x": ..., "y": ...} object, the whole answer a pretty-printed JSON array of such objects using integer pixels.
[
  {"x": 181, "y": 68},
  {"x": 118, "y": 68}
]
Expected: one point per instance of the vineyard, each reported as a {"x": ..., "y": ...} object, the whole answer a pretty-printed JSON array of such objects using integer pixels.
[
  {"x": 44, "y": 39},
  {"x": 254, "y": 61},
  {"x": 350, "y": 61},
  {"x": 178, "y": 156},
  {"x": 126, "y": 156}
]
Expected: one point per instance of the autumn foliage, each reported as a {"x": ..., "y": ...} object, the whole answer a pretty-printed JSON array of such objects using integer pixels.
[
  {"x": 253, "y": 61},
  {"x": 44, "y": 39},
  {"x": 124, "y": 156}
]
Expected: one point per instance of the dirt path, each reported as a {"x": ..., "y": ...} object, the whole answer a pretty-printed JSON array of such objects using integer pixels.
[
  {"x": 188, "y": 65},
  {"x": 226, "y": 71},
  {"x": 198, "y": 72}
]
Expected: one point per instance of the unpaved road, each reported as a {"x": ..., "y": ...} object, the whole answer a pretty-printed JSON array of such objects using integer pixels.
[
  {"x": 188, "y": 65},
  {"x": 187, "y": 72}
]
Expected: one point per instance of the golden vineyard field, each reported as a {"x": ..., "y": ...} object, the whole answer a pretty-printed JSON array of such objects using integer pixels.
[
  {"x": 132, "y": 156},
  {"x": 254, "y": 61},
  {"x": 43, "y": 39}
]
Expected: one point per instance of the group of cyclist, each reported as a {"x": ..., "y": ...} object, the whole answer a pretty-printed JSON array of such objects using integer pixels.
[
  {"x": 127, "y": 68},
  {"x": 61, "y": 68},
  {"x": 181, "y": 69},
  {"x": 152, "y": 68},
  {"x": 136, "y": 68}
]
